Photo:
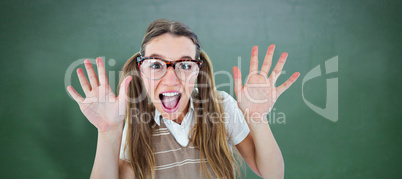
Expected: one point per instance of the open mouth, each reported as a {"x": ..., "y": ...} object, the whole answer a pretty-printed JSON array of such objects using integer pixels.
[{"x": 170, "y": 101}]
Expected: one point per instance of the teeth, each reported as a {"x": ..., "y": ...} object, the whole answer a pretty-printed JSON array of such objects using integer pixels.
[{"x": 169, "y": 94}]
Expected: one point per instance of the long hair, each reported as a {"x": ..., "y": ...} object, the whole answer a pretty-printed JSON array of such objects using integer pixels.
[{"x": 208, "y": 135}]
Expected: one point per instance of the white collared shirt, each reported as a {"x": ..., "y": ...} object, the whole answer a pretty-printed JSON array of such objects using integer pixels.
[
  {"x": 179, "y": 131},
  {"x": 236, "y": 125}
]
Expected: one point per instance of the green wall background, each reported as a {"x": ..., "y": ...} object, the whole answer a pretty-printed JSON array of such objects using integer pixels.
[{"x": 45, "y": 135}]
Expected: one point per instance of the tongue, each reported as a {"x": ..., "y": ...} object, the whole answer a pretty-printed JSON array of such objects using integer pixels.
[{"x": 170, "y": 101}]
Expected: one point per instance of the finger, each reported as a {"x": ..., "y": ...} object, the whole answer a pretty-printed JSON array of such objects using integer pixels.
[
  {"x": 77, "y": 97},
  {"x": 254, "y": 60},
  {"x": 102, "y": 72},
  {"x": 287, "y": 84},
  {"x": 124, "y": 88},
  {"x": 279, "y": 66},
  {"x": 83, "y": 81},
  {"x": 237, "y": 80},
  {"x": 93, "y": 78},
  {"x": 266, "y": 65},
  {"x": 272, "y": 88},
  {"x": 271, "y": 80},
  {"x": 123, "y": 97}
]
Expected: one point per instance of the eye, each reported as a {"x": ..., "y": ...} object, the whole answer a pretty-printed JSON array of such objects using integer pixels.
[
  {"x": 156, "y": 65},
  {"x": 185, "y": 66}
]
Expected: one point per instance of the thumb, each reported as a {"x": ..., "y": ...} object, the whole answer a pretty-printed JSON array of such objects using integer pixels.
[
  {"x": 123, "y": 97},
  {"x": 237, "y": 80}
]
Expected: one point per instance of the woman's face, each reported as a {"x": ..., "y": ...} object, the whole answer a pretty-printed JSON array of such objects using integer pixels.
[{"x": 169, "y": 94}]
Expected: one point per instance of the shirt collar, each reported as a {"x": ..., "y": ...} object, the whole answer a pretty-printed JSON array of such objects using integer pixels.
[{"x": 158, "y": 115}]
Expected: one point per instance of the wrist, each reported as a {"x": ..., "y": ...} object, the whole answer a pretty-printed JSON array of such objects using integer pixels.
[
  {"x": 255, "y": 116},
  {"x": 111, "y": 130}
]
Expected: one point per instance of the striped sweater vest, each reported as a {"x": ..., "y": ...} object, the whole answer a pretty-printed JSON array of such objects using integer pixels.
[{"x": 172, "y": 159}]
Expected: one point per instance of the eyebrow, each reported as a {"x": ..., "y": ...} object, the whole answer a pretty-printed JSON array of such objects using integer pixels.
[{"x": 161, "y": 56}]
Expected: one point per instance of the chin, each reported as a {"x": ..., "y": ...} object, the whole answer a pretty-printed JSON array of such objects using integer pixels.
[{"x": 172, "y": 114}]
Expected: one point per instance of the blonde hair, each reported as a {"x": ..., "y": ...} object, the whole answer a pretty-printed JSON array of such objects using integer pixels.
[{"x": 208, "y": 134}]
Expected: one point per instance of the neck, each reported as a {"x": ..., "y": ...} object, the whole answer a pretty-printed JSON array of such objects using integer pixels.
[{"x": 181, "y": 116}]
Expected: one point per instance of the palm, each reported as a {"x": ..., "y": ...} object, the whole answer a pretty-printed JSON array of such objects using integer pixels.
[
  {"x": 259, "y": 94},
  {"x": 99, "y": 109},
  {"x": 101, "y": 106}
]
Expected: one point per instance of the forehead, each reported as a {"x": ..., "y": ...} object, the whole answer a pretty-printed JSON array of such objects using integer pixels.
[{"x": 169, "y": 46}]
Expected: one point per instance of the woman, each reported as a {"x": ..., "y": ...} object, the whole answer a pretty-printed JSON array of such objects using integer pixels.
[{"x": 177, "y": 124}]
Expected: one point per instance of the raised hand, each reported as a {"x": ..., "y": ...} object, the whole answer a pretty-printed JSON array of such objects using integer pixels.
[
  {"x": 259, "y": 94},
  {"x": 101, "y": 106}
]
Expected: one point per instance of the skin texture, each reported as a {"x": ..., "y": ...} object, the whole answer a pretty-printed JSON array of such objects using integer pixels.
[
  {"x": 101, "y": 107},
  {"x": 259, "y": 94},
  {"x": 170, "y": 47},
  {"x": 256, "y": 98}
]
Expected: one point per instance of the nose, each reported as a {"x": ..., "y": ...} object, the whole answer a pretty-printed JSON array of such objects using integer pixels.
[{"x": 170, "y": 77}]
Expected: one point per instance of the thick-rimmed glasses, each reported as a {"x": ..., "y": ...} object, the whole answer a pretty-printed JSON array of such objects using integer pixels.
[{"x": 155, "y": 68}]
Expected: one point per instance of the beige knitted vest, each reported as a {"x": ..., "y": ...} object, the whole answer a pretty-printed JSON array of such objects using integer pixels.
[{"x": 172, "y": 159}]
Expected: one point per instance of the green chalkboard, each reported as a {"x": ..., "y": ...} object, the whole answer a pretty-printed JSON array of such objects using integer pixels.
[{"x": 340, "y": 119}]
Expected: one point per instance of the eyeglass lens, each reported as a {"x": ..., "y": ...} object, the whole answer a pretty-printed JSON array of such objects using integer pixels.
[{"x": 156, "y": 69}]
